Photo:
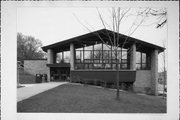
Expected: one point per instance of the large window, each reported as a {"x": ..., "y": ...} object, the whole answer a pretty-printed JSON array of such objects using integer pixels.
[{"x": 99, "y": 58}]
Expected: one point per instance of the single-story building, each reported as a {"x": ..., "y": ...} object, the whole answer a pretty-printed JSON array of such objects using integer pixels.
[{"x": 93, "y": 57}]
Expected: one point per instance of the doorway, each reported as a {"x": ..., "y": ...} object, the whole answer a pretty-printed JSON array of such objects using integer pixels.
[{"x": 60, "y": 73}]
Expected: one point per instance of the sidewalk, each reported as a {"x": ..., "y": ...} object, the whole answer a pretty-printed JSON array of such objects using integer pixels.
[{"x": 33, "y": 89}]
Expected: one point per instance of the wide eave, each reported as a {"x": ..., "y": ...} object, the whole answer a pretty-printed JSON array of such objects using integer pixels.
[{"x": 94, "y": 38}]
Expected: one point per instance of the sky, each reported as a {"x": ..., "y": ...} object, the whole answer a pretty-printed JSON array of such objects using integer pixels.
[{"x": 51, "y": 25}]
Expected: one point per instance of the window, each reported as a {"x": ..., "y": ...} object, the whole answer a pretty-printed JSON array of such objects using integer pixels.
[
  {"x": 141, "y": 61},
  {"x": 100, "y": 58}
]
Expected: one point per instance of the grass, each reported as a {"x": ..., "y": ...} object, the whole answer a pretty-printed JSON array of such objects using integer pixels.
[{"x": 71, "y": 98}]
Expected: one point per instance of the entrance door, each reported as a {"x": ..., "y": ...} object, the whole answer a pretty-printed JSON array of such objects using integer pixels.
[
  {"x": 60, "y": 73},
  {"x": 65, "y": 74}
]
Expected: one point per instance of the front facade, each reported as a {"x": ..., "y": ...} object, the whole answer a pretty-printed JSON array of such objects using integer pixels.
[{"x": 93, "y": 58}]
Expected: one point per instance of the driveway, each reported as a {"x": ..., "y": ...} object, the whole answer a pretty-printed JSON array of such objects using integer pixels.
[{"x": 30, "y": 90}]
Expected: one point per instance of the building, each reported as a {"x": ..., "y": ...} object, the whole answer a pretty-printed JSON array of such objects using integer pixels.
[{"x": 94, "y": 59}]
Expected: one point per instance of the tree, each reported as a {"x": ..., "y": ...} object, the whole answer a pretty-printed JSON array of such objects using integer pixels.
[
  {"x": 160, "y": 16},
  {"x": 163, "y": 57},
  {"x": 28, "y": 48},
  {"x": 117, "y": 16}
]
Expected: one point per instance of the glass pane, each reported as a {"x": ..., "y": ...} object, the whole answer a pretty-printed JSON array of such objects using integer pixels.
[
  {"x": 138, "y": 57},
  {"x": 98, "y": 66},
  {"x": 67, "y": 57},
  {"x": 113, "y": 66},
  {"x": 106, "y": 47},
  {"x": 78, "y": 55},
  {"x": 96, "y": 61},
  {"x": 138, "y": 66},
  {"x": 88, "y": 48},
  {"x": 90, "y": 66},
  {"x": 86, "y": 66},
  {"x": 87, "y": 54},
  {"x": 106, "y": 54},
  {"x": 143, "y": 66},
  {"x": 79, "y": 66},
  {"x": 97, "y": 47},
  {"x": 113, "y": 61},
  {"x": 107, "y": 66},
  {"x": 59, "y": 58},
  {"x": 124, "y": 54},
  {"x": 106, "y": 61},
  {"x": 124, "y": 66},
  {"x": 113, "y": 55},
  {"x": 124, "y": 60},
  {"x": 97, "y": 54},
  {"x": 143, "y": 58}
]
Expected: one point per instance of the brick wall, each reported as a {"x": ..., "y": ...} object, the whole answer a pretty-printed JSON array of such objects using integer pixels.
[
  {"x": 143, "y": 81},
  {"x": 35, "y": 67}
]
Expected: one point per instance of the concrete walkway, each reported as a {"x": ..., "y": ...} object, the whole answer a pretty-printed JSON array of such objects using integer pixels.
[{"x": 30, "y": 90}]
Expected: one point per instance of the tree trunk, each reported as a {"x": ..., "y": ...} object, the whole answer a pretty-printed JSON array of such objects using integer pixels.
[{"x": 117, "y": 70}]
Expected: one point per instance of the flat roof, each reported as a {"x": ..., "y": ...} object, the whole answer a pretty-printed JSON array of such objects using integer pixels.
[{"x": 93, "y": 38}]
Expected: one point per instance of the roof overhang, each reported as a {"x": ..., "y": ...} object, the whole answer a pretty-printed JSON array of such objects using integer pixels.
[{"x": 96, "y": 38}]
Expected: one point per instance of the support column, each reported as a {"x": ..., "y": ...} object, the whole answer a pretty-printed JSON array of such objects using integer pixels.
[
  {"x": 154, "y": 72},
  {"x": 62, "y": 57},
  {"x": 72, "y": 56},
  {"x": 48, "y": 74},
  {"x": 93, "y": 56},
  {"x": 50, "y": 56},
  {"x": 133, "y": 57}
]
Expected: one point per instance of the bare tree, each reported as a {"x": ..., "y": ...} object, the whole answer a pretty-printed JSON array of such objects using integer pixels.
[
  {"x": 160, "y": 15},
  {"x": 163, "y": 69},
  {"x": 118, "y": 15}
]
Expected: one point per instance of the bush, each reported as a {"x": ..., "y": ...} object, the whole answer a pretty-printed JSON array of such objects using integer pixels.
[{"x": 25, "y": 78}]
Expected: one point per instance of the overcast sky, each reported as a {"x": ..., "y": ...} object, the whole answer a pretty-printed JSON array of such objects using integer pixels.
[{"x": 52, "y": 25}]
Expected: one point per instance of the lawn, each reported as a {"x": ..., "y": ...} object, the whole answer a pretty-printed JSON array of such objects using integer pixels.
[{"x": 71, "y": 98}]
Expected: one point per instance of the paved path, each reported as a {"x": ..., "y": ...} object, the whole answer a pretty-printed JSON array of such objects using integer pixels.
[{"x": 33, "y": 89}]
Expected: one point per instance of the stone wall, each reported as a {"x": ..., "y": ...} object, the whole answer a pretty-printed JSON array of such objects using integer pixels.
[
  {"x": 36, "y": 67},
  {"x": 143, "y": 81}
]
